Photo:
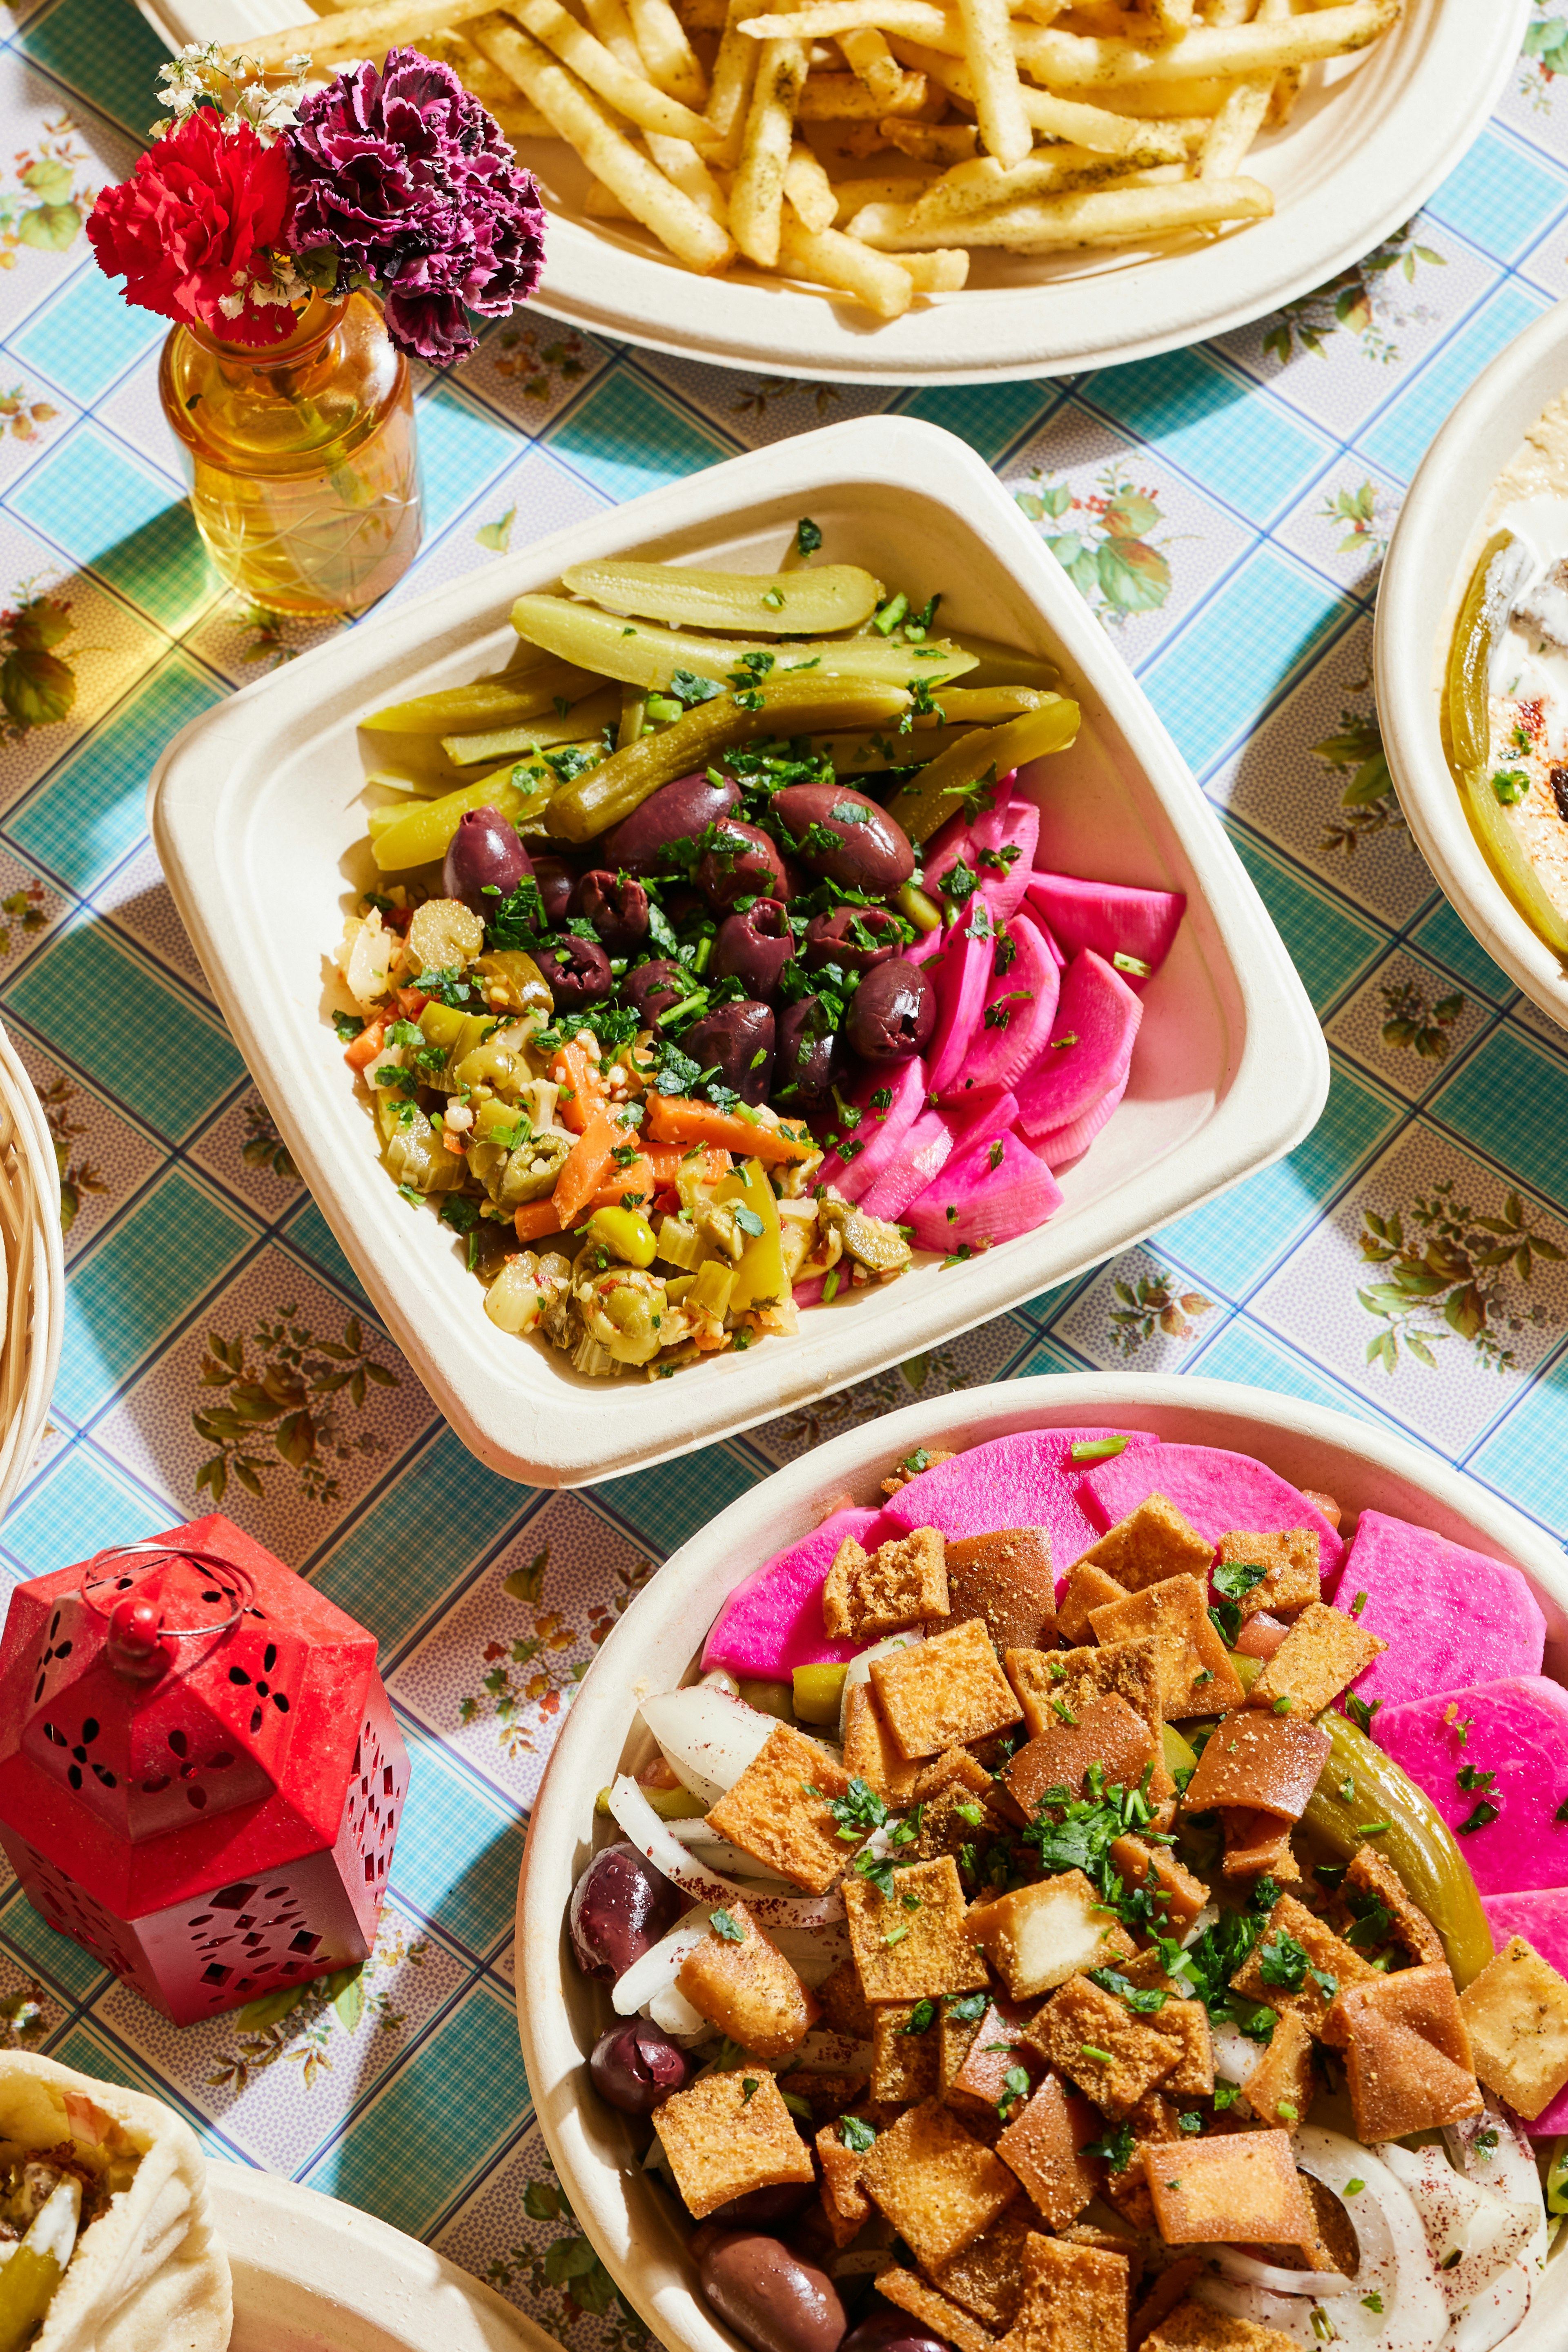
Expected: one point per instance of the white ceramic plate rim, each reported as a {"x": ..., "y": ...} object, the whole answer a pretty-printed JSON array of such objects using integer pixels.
[
  {"x": 1435, "y": 543},
  {"x": 632, "y": 2224},
  {"x": 1453, "y": 59},
  {"x": 310, "y": 2262},
  {"x": 204, "y": 787}
]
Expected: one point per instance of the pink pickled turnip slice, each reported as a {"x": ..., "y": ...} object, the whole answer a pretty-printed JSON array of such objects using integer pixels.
[
  {"x": 973, "y": 1115},
  {"x": 1449, "y": 1614},
  {"x": 1512, "y": 1739},
  {"x": 963, "y": 978},
  {"x": 926, "y": 1148},
  {"x": 1215, "y": 1491},
  {"x": 1007, "y": 824},
  {"x": 1061, "y": 1144},
  {"x": 980, "y": 1198},
  {"x": 1539, "y": 1914},
  {"x": 1023, "y": 999},
  {"x": 771, "y": 1623},
  {"x": 1111, "y": 918},
  {"x": 1099, "y": 1014},
  {"x": 879, "y": 1132},
  {"x": 1026, "y": 1480}
]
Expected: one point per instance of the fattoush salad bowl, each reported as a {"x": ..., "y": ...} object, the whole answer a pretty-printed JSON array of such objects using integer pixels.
[
  {"x": 262, "y": 813},
  {"x": 1009, "y": 1836}
]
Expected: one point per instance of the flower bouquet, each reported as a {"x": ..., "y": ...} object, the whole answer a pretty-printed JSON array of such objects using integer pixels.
[
  {"x": 305, "y": 243},
  {"x": 250, "y": 199}
]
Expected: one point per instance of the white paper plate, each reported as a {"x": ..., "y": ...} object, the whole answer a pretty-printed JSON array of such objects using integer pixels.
[
  {"x": 313, "y": 2275},
  {"x": 1370, "y": 140},
  {"x": 258, "y": 817},
  {"x": 638, "y": 2229},
  {"x": 1436, "y": 543}
]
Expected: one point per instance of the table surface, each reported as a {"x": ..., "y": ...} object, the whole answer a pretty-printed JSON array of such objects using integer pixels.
[{"x": 1224, "y": 510}]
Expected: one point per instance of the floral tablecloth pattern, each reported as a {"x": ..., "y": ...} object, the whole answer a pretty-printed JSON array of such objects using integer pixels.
[{"x": 1224, "y": 512}]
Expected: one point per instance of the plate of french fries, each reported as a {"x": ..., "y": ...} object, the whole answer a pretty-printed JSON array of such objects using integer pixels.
[{"x": 940, "y": 191}]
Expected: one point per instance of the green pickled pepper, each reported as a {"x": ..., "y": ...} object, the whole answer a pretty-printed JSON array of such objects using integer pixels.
[
  {"x": 28, "y": 2280},
  {"x": 1417, "y": 1843}
]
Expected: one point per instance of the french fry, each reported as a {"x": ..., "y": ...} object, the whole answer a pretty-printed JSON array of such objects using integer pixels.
[
  {"x": 1082, "y": 61},
  {"x": 870, "y": 59},
  {"x": 519, "y": 121},
  {"x": 613, "y": 27},
  {"x": 844, "y": 97},
  {"x": 933, "y": 142},
  {"x": 356, "y": 32},
  {"x": 1060, "y": 118},
  {"x": 898, "y": 188},
  {"x": 685, "y": 169},
  {"x": 479, "y": 77},
  {"x": 834, "y": 259},
  {"x": 988, "y": 34},
  {"x": 1094, "y": 217},
  {"x": 631, "y": 94},
  {"x": 756, "y": 196},
  {"x": 824, "y": 20},
  {"x": 734, "y": 76},
  {"x": 941, "y": 271},
  {"x": 578, "y": 116},
  {"x": 982, "y": 185},
  {"x": 1228, "y": 12},
  {"x": 603, "y": 204},
  {"x": 668, "y": 55},
  {"x": 807, "y": 188},
  {"x": 1171, "y": 16},
  {"x": 704, "y": 16}
]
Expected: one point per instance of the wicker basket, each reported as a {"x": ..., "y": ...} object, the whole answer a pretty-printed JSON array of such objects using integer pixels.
[{"x": 32, "y": 1311}]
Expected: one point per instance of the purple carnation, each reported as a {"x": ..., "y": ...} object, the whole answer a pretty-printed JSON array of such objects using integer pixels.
[{"x": 412, "y": 182}]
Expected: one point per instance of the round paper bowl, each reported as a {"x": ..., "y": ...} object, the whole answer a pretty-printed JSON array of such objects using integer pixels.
[
  {"x": 1434, "y": 548},
  {"x": 633, "y": 2223}
]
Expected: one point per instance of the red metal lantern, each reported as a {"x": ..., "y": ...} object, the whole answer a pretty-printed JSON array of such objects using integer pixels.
[{"x": 200, "y": 1776}]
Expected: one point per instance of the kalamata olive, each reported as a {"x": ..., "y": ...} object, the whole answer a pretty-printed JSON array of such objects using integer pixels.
[
  {"x": 620, "y": 1908},
  {"x": 763, "y": 2209},
  {"x": 578, "y": 971},
  {"x": 805, "y": 1054},
  {"x": 892, "y": 1013},
  {"x": 736, "y": 1041},
  {"x": 483, "y": 854},
  {"x": 556, "y": 881},
  {"x": 870, "y": 852},
  {"x": 888, "y": 2329},
  {"x": 772, "y": 2300},
  {"x": 635, "y": 2067},
  {"x": 755, "y": 948},
  {"x": 617, "y": 909},
  {"x": 654, "y": 987},
  {"x": 741, "y": 864},
  {"x": 838, "y": 939},
  {"x": 676, "y": 811}
]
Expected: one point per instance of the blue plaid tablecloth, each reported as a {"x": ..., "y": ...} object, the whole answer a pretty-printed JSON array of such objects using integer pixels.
[{"x": 1224, "y": 511}]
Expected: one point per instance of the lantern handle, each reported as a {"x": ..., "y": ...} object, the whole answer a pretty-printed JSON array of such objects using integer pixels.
[{"x": 223, "y": 1572}]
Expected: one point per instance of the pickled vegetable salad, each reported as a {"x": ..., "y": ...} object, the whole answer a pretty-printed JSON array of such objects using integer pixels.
[
  {"x": 1058, "y": 1957},
  {"x": 665, "y": 990}
]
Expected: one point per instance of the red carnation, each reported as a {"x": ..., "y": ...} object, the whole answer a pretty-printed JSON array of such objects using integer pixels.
[{"x": 189, "y": 224}]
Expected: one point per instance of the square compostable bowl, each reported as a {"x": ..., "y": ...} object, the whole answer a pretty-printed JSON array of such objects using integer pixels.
[
  {"x": 637, "y": 2227},
  {"x": 1436, "y": 544},
  {"x": 258, "y": 815}
]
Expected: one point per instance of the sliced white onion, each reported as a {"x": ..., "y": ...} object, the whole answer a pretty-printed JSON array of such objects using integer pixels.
[
  {"x": 1491, "y": 2150},
  {"x": 715, "y": 1852},
  {"x": 1237, "y": 2265},
  {"x": 1235, "y": 2053},
  {"x": 651, "y": 1837},
  {"x": 1496, "y": 2312},
  {"x": 1471, "y": 2232},
  {"x": 719, "y": 1679},
  {"x": 707, "y": 1737},
  {"x": 658, "y": 1967},
  {"x": 674, "y": 2014},
  {"x": 1395, "y": 2262},
  {"x": 1291, "y": 2314},
  {"x": 860, "y": 1669}
]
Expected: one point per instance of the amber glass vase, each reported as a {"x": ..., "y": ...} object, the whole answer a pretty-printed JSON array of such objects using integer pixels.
[{"x": 303, "y": 469}]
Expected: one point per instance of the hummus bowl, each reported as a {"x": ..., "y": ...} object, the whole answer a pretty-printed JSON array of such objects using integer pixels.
[
  {"x": 1441, "y": 530},
  {"x": 636, "y": 2229},
  {"x": 258, "y": 815}
]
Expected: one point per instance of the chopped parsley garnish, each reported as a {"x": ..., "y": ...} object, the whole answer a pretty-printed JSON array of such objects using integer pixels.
[
  {"x": 688, "y": 689},
  {"x": 1482, "y": 1818},
  {"x": 747, "y": 1219},
  {"x": 1285, "y": 1962},
  {"x": 348, "y": 1025},
  {"x": 1469, "y": 1777},
  {"x": 856, "y": 2134},
  {"x": 1145, "y": 2000},
  {"x": 1015, "y": 2087},
  {"x": 921, "y": 2016},
  {"x": 1191, "y": 2121},
  {"x": 726, "y": 1925},
  {"x": 1116, "y": 2146},
  {"x": 1511, "y": 784},
  {"x": 807, "y": 537},
  {"x": 1360, "y": 1711},
  {"x": 970, "y": 2010},
  {"x": 749, "y": 2087}
]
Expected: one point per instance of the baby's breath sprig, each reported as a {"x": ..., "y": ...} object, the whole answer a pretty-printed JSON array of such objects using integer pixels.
[{"x": 202, "y": 74}]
